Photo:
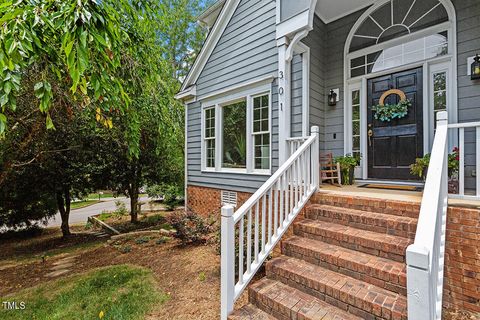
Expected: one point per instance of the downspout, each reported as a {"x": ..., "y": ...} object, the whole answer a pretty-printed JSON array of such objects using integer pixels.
[{"x": 285, "y": 52}]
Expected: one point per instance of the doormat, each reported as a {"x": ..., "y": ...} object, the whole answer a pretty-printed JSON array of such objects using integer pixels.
[{"x": 391, "y": 187}]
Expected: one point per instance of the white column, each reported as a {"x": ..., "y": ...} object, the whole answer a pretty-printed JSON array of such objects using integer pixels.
[{"x": 284, "y": 85}]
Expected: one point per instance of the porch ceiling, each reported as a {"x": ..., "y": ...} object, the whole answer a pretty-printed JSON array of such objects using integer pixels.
[{"x": 330, "y": 10}]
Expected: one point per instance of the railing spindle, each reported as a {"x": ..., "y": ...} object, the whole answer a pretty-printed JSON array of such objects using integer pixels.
[
  {"x": 256, "y": 236},
  {"x": 249, "y": 241},
  {"x": 461, "y": 166},
  {"x": 280, "y": 184},
  {"x": 275, "y": 211},
  {"x": 241, "y": 234},
  {"x": 270, "y": 205},
  {"x": 264, "y": 221},
  {"x": 477, "y": 165}
]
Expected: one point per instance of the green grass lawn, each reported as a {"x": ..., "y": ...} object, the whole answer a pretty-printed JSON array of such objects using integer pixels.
[
  {"x": 82, "y": 204},
  {"x": 121, "y": 292}
]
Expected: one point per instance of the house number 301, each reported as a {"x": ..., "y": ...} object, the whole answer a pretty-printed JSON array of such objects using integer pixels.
[{"x": 280, "y": 74}]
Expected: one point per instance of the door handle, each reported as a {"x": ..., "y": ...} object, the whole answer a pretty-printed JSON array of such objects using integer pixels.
[{"x": 370, "y": 135}]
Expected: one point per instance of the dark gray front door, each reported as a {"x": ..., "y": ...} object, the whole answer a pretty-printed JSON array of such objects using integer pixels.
[{"x": 395, "y": 145}]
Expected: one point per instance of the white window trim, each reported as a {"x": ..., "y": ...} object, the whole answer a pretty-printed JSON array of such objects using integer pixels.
[{"x": 218, "y": 102}]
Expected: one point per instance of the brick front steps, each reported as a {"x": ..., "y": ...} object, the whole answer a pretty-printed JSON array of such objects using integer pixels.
[{"x": 344, "y": 261}]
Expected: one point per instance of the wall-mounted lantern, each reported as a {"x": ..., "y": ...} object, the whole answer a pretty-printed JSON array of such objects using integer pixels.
[
  {"x": 332, "y": 98},
  {"x": 475, "y": 68}
]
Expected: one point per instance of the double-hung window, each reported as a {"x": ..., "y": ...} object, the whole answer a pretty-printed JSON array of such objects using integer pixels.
[
  {"x": 209, "y": 137},
  {"x": 237, "y": 134}
]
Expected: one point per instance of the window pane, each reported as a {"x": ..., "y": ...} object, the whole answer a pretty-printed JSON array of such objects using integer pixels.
[
  {"x": 210, "y": 123},
  {"x": 440, "y": 100},
  {"x": 262, "y": 151},
  {"x": 356, "y": 128},
  {"x": 439, "y": 81},
  {"x": 234, "y": 135},
  {"x": 260, "y": 114},
  {"x": 210, "y": 146}
]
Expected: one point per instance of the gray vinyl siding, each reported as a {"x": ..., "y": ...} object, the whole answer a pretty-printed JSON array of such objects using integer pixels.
[
  {"x": 468, "y": 44},
  {"x": 337, "y": 33},
  {"x": 245, "y": 52},
  {"x": 296, "y": 97}
]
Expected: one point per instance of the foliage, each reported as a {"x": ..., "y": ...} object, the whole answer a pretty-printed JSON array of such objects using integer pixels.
[
  {"x": 419, "y": 168},
  {"x": 121, "y": 292},
  {"x": 389, "y": 112},
  {"x": 169, "y": 192},
  {"x": 190, "y": 227},
  {"x": 87, "y": 88},
  {"x": 77, "y": 43},
  {"x": 347, "y": 165}
]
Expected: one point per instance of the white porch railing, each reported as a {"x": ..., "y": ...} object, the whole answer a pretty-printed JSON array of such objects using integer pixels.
[
  {"x": 250, "y": 234},
  {"x": 294, "y": 143},
  {"x": 425, "y": 257},
  {"x": 460, "y": 128}
]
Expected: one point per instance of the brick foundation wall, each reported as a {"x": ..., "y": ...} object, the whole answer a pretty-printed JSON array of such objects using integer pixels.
[
  {"x": 207, "y": 201},
  {"x": 462, "y": 260}
]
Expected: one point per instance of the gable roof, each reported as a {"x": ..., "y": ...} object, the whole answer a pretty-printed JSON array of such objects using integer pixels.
[{"x": 210, "y": 43}]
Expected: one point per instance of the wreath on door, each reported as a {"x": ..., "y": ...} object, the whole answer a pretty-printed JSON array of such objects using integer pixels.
[{"x": 388, "y": 112}]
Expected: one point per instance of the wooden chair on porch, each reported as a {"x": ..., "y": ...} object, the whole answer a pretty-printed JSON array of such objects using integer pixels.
[{"x": 329, "y": 170}]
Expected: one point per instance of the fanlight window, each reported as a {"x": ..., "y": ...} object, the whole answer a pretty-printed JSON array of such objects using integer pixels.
[
  {"x": 397, "y": 18},
  {"x": 413, "y": 51}
]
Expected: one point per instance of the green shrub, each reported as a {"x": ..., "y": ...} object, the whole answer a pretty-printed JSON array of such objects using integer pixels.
[
  {"x": 170, "y": 193},
  {"x": 190, "y": 227}
]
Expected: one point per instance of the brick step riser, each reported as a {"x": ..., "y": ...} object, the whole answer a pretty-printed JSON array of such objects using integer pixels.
[
  {"x": 382, "y": 279},
  {"x": 357, "y": 303},
  {"x": 399, "y": 229},
  {"x": 396, "y": 208},
  {"x": 352, "y": 244},
  {"x": 288, "y": 305}
]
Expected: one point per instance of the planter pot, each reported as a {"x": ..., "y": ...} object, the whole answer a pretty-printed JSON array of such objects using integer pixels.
[
  {"x": 351, "y": 175},
  {"x": 453, "y": 185}
]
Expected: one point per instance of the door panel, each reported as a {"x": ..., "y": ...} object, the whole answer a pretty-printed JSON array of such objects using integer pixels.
[{"x": 395, "y": 145}]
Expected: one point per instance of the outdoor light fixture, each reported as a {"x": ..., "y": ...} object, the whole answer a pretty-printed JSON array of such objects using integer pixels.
[
  {"x": 332, "y": 98},
  {"x": 476, "y": 68}
]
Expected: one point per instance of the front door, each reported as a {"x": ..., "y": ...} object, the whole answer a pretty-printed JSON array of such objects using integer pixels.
[{"x": 393, "y": 146}]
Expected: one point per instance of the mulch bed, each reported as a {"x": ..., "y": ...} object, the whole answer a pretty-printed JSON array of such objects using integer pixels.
[{"x": 190, "y": 275}]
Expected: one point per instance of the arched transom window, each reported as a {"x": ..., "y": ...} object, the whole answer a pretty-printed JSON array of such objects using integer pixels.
[{"x": 422, "y": 24}]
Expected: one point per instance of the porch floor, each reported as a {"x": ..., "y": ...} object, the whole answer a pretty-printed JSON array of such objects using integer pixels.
[{"x": 399, "y": 195}]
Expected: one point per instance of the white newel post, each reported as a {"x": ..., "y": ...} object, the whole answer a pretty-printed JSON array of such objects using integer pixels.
[
  {"x": 425, "y": 256},
  {"x": 227, "y": 264},
  {"x": 316, "y": 157}
]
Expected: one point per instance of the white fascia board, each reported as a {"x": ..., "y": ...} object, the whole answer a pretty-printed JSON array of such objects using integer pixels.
[
  {"x": 186, "y": 94},
  {"x": 294, "y": 24},
  {"x": 211, "y": 42}
]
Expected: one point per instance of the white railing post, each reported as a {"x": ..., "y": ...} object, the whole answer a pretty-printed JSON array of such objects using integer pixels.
[
  {"x": 227, "y": 286},
  {"x": 316, "y": 156},
  {"x": 425, "y": 256}
]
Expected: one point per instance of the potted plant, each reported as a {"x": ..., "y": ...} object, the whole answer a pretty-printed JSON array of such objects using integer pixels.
[
  {"x": 347, "y": 167},
  {"x": 420, "y": 167}
]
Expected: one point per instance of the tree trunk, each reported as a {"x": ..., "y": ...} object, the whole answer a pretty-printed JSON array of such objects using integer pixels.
[
  {"x": 134, "y": 206},
  {"x": 63, "y": 204}
]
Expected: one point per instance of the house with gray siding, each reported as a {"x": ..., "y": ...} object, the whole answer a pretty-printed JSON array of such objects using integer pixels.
[{"x": 280, "y": 83}]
